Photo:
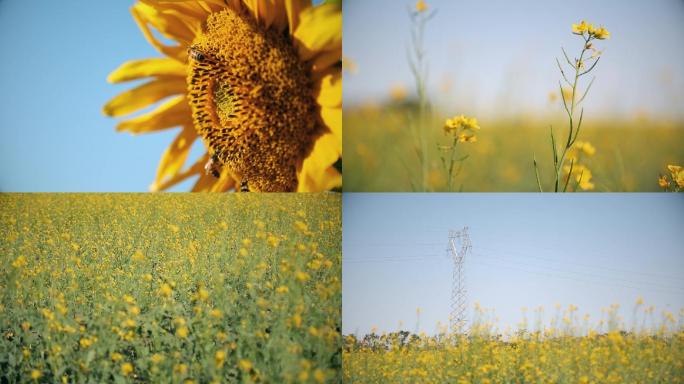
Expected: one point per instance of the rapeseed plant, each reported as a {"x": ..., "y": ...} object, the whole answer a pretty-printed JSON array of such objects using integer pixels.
[
  {"x": 567, "y": 350},
  {"x": 157, "y": 290},
  {"x": 675, "y": 183},
  {"x": 572, "y": 97},
  {"x": 460, "y": 129}
]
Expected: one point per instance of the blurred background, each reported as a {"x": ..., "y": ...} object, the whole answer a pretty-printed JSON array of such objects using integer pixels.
[{"x": 495, "y": 60}]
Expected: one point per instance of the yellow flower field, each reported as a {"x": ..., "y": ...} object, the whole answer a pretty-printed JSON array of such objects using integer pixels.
[
  {"x": 170, "y": 288},
  {"x": 560, "y": 353},
  {"x": 629, "y": 154}
]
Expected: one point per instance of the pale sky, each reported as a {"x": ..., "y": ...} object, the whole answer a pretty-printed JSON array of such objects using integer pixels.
[{"x": 528, "y": 250}]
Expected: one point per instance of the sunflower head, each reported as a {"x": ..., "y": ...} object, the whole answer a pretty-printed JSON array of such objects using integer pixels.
[
  {"x": 258, "y": 81},
  {"x": 251, "y": 100}
]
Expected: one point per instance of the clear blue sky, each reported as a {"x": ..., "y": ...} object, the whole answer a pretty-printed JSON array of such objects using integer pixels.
[
  {"x": 53, "y": 135},
  {"x": 528, "y": 250},
  {"x": 501, "y": 54}
]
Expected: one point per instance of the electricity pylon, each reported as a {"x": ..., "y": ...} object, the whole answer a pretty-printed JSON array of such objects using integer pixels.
[{"x": 459, "y": 245}]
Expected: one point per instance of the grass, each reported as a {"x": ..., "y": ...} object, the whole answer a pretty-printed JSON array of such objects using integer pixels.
[
  {"x": 174, "y": 288},
  {"x": 380, "y": 155}
]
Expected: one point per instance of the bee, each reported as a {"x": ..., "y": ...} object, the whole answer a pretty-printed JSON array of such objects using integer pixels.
[
  {"x": 244, "y": 187},
  {"x": 196, "y": 55},
  {"x": 213, "y": 166}
]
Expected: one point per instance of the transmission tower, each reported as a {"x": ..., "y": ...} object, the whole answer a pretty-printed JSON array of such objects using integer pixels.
[{"x": 459, "y": 245}]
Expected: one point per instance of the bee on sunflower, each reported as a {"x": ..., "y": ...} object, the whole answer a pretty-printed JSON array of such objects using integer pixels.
[{"x": 258, "y": 80}]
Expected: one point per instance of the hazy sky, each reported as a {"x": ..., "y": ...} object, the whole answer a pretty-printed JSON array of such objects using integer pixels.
[
  {"x": 527, "y": 250},
  {"x": 500, "y": 55}
]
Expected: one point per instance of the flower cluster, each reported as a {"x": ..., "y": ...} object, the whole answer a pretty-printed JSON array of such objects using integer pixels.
[
  {"x": 462, "y": 128},
  {"x": 591, "y": 32},
  {"x": 675, "y": 183},
  {"x": 577, "y": 170}
]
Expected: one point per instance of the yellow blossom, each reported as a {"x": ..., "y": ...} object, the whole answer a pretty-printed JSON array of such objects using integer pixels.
[
  {"x": 182, "y": 332},
  {"x": 219, "y": 358},
  {"x": 36, "y": 374},
  {"x": 156, "y": 358},
  {"x": 421, "y": 6},
  {"x": 19, "y": 262},
  {"x": 677, "y": 173},
  {"x": 580, "y": 28},
  {"x": 165, "y": 290},
  {"x": 245, "y": 365}
]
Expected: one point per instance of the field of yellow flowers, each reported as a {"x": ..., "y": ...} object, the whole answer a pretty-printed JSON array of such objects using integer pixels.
[
  {"x": 560, "y": 353},
  {"x": 627, "y": 154},
  {"x": 171, "y": 288}
]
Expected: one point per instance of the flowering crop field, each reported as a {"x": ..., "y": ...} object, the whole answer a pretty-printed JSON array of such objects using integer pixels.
[
  {"x": 552, "y": 355},
  {"x": 382, "y": 155},
  {"x": 170, "y": 288}
]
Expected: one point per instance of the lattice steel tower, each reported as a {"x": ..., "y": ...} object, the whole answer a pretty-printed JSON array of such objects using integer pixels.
[{"x": 459, "y": 245}]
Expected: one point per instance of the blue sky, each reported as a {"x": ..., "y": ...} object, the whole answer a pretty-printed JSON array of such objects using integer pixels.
[
  {"x": 528, "y": 250},
  {"x": 500, "y": 55},
  {"x": 53, "y": 135}
]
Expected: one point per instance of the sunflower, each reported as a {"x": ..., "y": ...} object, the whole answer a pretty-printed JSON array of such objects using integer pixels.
[{"x": 258, "y": 80}]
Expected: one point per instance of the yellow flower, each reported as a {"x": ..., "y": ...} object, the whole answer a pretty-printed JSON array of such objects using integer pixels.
[
  {"x": 219, "y": 358},
  {"x": 582, "y": 176},
  {"x": 245, "y": 365},
  {"x": 398, "y": 93},
  {"x": 19, "y": 262},
  {"x": 663, "y": 181},
  {"x": 462, "y": 128},
  {"x": 601, "y": 33},
  {"x": 138, "y": 256},
  {"x": 182, "y": 332},
  {"x": 86, "y": 342},
  {"x": 156, "y": 358},
  {"x": 640, "y": 301},
  {"x": 260, "y": 82},
  {"x": 297, "y": 320},
  {"x": 302, "y": 276},
  {"x": 36, "y": 374},
  {"x": 581, "y": 28},
  {"x": 421, "y": 6},
  {"x": 202, "y": 294},
  {"x": 126, "y": 368},
  {"x": 216, "y": 313},
  {"x": 677, "y": 173},
  {"x": 282, "y": 289},
  {"x": 180, "y": 369},
  {"x": 165, "y": 290},
  {"x": 319, "y": 375}
]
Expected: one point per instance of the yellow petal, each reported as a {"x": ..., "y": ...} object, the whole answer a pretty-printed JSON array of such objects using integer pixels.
[
  {"x": 332, "y": 117},
  {"x": 170, "y": 114},
  {"x": 209, "y": 183},
  {"x": 325, "y": 59},
  {"x": 177, "y": 52},
  {"x": 328, "y": 90},
  {"x": 264, "y": 11},
  {"x": 294, "y": 8},
  {"x": 195, "y": 169},
  {"x": 280, "y": 18},
  {"x": 136, "y": 69},
  {"x": 175, "y": 155},
  {"x": 319, "y": 30},
  {"x": 167, "y": 24},
  {"x": 144, "y": 95},
  {"x": 314, "y": 170}
]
